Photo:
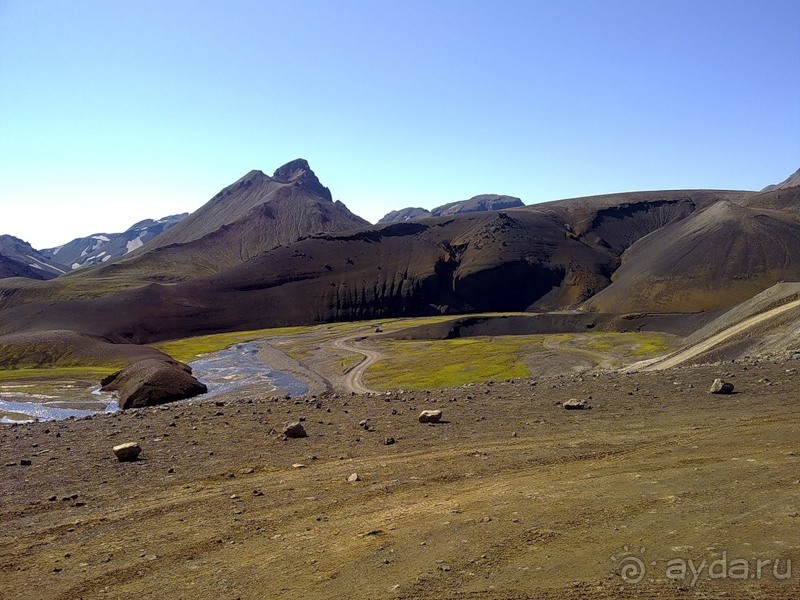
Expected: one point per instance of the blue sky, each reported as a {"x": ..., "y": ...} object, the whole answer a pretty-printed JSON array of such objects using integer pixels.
[{"x": 113, "y": 111}]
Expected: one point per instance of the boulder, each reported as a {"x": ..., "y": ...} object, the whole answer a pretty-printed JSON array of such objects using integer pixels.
[
  {"x": 295, "y": 430},
  {"x": 430, "y": 416},
  {"x": 575, "y": 404},
  {"x": 721, "y": 387},
  {"x": 153, "y": 381},
  {"x": 127, "y": 452}
]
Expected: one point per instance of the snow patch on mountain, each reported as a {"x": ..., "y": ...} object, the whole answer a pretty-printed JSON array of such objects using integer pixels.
[{"x": 134, "y": 244}]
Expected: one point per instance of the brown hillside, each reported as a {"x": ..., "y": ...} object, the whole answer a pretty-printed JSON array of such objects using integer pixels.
[
  {"x": 548, "y": 257},
  {"x": 717, "y": 257}
]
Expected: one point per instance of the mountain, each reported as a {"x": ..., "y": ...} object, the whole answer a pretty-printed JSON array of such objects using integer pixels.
[
  {"x": 19, "y": 259},
  {"x": 252, "y": 215},
  {"x": 404, "y": 215},
  {"x": 792, "y": 181},
  {"x": 102, "y": 247},
  {"x": 549, "y": 256},
  {"x": 481, "y": 203},
  {"x": 290, "y": 204},
  {"x": 271, "y": 251},
  {"x": 718, "y": 256}
]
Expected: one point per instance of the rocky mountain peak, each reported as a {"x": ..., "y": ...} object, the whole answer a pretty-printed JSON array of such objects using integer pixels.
[{"x": 299, "y": 173}]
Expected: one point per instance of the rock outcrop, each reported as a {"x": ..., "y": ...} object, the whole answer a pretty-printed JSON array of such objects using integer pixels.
[{"x": 151, "y": 381}]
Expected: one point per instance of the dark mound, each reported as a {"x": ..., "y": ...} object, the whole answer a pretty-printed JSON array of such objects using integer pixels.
[
  {"x": 41, "y": 349},
  {"x": 554, "y": 322},
  {"x": 503, "y": 325},
  {"x": 714, "y": 258},
  {"x": 150, "y": 382}
]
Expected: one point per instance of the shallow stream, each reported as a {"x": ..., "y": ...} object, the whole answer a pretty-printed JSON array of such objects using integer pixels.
[{"x": 223, "y": 372}]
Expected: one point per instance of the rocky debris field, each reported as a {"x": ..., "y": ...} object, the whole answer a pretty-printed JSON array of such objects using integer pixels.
[{"x": 509, "y": 495}]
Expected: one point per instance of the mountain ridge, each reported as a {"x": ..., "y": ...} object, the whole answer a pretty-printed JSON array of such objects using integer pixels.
[{"x": 479, "y": 203}]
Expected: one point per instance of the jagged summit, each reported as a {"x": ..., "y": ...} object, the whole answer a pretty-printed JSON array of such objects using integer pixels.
[{"x": 299, "y": 173}]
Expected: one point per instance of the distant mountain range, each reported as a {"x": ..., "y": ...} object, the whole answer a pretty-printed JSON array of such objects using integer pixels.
[
  {"x": 19, "y": 259},
  {"x": 102, "y": 247},
  {"x": 269, "y": 251},
  {"x": 480, "y": 203}
]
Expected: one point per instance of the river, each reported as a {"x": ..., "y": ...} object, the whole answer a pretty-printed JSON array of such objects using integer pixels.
[{"x": 225, "y": 371}]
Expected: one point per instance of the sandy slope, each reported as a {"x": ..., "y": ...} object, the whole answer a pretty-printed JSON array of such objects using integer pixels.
[{"x": 704, "y": 346}]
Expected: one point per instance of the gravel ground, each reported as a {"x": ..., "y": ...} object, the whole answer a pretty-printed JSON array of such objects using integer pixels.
[{"x": 510, "y": 497}]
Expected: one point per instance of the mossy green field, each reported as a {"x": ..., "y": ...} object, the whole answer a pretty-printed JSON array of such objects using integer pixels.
[{"x": 445, "y": 363}]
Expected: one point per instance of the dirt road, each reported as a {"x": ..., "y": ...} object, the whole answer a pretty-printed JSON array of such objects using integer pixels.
[
  {"x": 354, "y": 378},
  {"x": 689, "y": 353}
]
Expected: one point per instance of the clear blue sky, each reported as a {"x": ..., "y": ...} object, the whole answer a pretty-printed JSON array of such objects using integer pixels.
[{"x": 112, "y": 111}]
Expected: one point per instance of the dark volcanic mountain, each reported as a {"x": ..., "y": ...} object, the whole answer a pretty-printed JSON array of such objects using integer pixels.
[
  {"x": 19, "y": 259},
  {"x": 715, "y": 257},
  {"x": 479, "y": 203},
  {"x": 250, "y": 259},
  {"x": 253, "y": 215},
  {"x": 99, "y": 248},
  {"x": 550, "y": 256}
]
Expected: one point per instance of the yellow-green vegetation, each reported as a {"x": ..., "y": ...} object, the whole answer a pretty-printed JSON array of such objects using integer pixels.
[
  {"x": 446, "y": 363},
  {"x": 641, "y": 343},
  {"x": 188, "y": 349},
  {"x": 90, "y": 373},
  {"x": 345, "y": 363},
  {"x": 50, "y": 359},
  {"x": 655, "y": 344}
]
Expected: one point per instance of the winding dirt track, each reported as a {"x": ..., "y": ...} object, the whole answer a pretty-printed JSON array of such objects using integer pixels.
[
  {"x": 354, "y": 378},
  {"x": 724, "y": 335}
]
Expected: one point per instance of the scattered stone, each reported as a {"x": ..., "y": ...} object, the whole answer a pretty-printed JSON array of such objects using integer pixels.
[
  {"x": 247, "y": 471},
  {"x": 127, "y": 452},
  {"x": 388, "y": 441},
  {"x": 353, "y": 478},
  {"x": 294, "y": 430},
  {"x": 575, "y": 404},
  {"x": 299, "y": 466},
  {"x": 430, "y": 416},
  {"x": 721, "y": 387},
  {"x": 25, "y": 462}
]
